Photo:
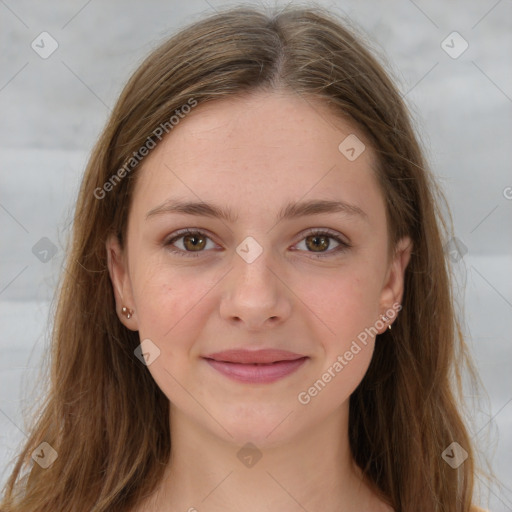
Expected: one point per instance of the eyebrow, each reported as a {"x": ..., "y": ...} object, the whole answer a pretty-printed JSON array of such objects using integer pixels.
[{"x": 290, "y": 211}]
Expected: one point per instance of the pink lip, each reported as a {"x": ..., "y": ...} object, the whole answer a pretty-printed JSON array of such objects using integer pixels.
[
  {"x": 259, "y": 366},
  {"x": 257, "y": 373}
]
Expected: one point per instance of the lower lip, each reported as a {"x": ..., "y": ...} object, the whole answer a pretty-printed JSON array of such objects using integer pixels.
[{"x": 257, "y": 373}]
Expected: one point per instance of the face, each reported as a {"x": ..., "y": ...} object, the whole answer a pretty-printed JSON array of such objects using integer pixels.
[{"x": 311, "y": 281}]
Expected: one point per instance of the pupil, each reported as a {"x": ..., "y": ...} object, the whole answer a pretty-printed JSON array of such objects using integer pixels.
[
  {"x": 197, "y": 240},
  {"x": 320, "y": 244}
]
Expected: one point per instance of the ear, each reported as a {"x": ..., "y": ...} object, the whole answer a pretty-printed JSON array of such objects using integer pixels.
[
  {"x": 121, "y": 284},
  {"x": 393, "y": 289}
]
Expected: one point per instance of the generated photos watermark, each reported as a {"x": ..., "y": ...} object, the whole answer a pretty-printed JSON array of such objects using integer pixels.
[
  {"x": 137, "y": 156},
  {"x": 305, "y": 397}
]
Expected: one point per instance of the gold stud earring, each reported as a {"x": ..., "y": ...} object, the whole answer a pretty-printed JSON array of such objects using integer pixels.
[
  {"x": 127, "y": 312},
  {"x": 384, "y": 318}
]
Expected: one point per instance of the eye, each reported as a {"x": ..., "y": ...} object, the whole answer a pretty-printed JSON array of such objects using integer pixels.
[
  {"x": 319, "y": 239},
  {"x": 194, "y": 241}
]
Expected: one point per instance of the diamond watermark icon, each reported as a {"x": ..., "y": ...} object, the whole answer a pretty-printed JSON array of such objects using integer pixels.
[
  {"x": 454, "y": 455},
  {"x": 44, "y": 455},
  {"x": 249, "y": 249},
  {"x": 44, "y": 250},
  {"x": 44, "y": 45},
  {"x": 249, "y": 455},
  {"x": 454, "y": 45},
  {"x": 455, "y": 249},
  {"x": 351, "y": 147},
  {"x": 147, "y": 352}
]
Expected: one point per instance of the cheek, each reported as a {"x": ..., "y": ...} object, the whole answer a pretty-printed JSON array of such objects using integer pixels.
[
  {"x": 173, "y": 306},
  {"x": 171, "y": 314},
  {"x": 162, "y": 296},
  {"x": 347, "y": 301},
  {"x": 348, "y": 305}
]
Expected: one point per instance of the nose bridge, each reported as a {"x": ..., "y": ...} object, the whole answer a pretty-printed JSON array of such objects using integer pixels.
[
  {"x": 252, "y": 263},
  {"x": 253, "y": 292}
]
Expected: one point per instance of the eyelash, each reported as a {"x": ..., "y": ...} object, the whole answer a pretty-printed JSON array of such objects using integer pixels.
[{"x": 314, "y": 232}]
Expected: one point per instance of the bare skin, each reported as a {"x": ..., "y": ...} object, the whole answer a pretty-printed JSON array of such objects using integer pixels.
[{"x": 254, "y": 155}]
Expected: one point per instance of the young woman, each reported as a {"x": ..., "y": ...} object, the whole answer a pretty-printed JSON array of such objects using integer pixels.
[{"x": 256, "y": 311}]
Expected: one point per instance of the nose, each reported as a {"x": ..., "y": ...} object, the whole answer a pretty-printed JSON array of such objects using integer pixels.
[{"x": 255, "y": 294}]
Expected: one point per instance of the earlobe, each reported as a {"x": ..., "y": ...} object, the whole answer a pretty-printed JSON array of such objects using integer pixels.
[{"x": 121, "y": 284}]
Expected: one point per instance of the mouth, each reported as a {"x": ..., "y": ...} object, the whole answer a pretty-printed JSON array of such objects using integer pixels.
[
  {"x": 263, "y": 356},
  {"x": 261, "y": 366}
]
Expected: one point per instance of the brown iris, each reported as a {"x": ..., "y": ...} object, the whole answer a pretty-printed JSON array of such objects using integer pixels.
[
  {"x": 198, "y": 241},
  {"x": 319, "y": 242}
]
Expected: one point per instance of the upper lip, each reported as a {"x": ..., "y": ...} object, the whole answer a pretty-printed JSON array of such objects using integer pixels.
[{"x": 243, "y": 356}]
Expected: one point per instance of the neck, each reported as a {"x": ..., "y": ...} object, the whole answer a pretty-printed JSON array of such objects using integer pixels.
[{"x": 313, "y": 471}]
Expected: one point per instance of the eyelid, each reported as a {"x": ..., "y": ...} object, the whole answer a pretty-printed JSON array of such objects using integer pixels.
[
  {"x": 168, "y": 241},
  {"x": 341, "y": 239},
  {"x": 326, "y": 231}
]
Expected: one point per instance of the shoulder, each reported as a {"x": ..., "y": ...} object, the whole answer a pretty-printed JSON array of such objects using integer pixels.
[{"x": 474, "y": 508}]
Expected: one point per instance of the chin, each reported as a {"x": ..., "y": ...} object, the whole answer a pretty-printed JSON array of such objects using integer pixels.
[{"x": 265, "y": 426}]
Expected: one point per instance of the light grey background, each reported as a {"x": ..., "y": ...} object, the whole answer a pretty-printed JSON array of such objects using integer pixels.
[{"x": 52, "y": 111}]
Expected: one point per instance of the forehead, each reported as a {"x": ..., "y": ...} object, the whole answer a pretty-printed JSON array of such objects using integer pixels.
[{"x": 255, "y": 152}]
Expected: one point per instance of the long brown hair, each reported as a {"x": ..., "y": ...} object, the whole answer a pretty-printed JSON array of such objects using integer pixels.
[{"x": 105, "y": 416}]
